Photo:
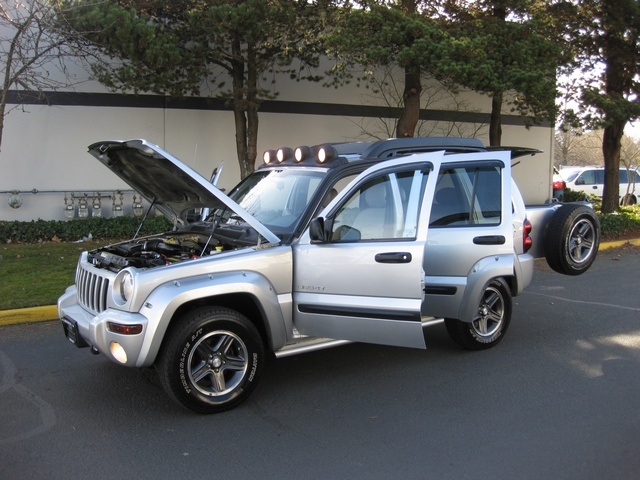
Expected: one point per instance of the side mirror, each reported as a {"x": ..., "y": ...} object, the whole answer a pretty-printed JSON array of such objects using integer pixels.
[{"x": 317, "y": 231}]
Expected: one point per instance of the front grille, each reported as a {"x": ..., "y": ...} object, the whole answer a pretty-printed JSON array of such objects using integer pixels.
[{"x": 92, "y": 290}]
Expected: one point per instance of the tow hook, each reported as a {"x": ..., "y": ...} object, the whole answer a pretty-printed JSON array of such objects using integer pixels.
[{"x": 95, "y": 351}]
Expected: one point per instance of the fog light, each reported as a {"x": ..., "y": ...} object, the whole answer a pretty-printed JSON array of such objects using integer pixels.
[{"x": 118, "y": 352}]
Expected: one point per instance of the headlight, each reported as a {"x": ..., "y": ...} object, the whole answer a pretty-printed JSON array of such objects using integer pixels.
[{"x": 124, "y": 287}]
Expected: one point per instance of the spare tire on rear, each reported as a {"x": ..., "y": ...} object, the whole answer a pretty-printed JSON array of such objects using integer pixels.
[{"x": 572, "y": 239}]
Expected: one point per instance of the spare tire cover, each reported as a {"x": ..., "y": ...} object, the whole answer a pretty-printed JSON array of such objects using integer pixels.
[{"x": 572, "y": 239}]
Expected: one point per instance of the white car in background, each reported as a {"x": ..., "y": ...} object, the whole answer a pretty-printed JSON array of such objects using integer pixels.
[{"x": 590, "y": 180}]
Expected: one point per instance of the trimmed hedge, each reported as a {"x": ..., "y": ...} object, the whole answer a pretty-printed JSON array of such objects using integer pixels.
[
  {"x": 625, "y": 222},
  {"x": 577, "y": 196},
  {"x": 37, "y": 231}
]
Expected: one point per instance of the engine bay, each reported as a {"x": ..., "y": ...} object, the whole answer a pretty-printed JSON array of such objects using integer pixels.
[{"x": 149, "y": 252}]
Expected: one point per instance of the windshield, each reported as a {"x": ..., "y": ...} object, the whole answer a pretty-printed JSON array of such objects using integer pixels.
[
  {"x": 571, "y": 176},
  {"x": 278, "y": 198}
]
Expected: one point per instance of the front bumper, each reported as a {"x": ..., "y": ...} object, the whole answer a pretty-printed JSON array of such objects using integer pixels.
[{"x": 84, "y": 329}]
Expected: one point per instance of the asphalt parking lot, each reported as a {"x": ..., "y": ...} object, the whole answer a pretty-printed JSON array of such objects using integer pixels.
[{"x": 559, "y": 398}]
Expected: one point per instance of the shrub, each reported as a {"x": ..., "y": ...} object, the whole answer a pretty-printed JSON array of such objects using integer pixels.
[
  {"x": 578, "y": 196},
  {"x": 37, "y": 231},
  {"x": 623, "y": 222}
]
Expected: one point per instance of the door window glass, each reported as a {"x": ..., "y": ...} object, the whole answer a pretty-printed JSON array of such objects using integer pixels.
[
  {"x": 587, "y": 178},
  {"x": 383, "y": 208},
  {"x": 623, "y": 175},
  {"x": 467, "y": 196}
]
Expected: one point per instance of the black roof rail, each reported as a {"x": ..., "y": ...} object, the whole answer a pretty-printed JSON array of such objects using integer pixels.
[
  {"x": 515, "y": 151},
  {"x": 395, "y": 147}
]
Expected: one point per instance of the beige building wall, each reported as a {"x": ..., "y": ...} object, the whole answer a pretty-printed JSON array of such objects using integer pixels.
[{"x": 44, "y": 150}]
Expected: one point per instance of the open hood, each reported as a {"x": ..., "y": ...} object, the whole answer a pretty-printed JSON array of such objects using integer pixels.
[{"x": 162, "y": 179}]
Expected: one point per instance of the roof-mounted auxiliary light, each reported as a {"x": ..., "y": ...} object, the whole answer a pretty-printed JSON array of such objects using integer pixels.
[
  {"x": 326, "y": 153},
  {"x": 284, "y": 153},
  {"x": 302, "y": 153},
  {"x": 269, "y": 156}
]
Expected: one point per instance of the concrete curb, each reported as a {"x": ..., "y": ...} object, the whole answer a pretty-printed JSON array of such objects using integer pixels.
[
  {"x": 28, "y": 315},
  {"x": 619, "y": 243},
  {"x": 50, "y": 312}
]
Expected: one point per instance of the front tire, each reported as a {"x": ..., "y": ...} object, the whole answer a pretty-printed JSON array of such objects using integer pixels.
[
  {"x": 490, "y": 323},
  {"x": 212, "y": 360}
]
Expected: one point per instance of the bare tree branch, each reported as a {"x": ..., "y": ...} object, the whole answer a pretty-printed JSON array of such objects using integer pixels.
[{"x": 34, "y": 43}]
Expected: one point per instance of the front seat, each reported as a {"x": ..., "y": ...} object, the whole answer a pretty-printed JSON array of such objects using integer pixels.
[{"x": 370, "y": 221}]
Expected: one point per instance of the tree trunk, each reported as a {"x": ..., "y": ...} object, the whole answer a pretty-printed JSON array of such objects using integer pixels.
[
  {"x": 239, "y": 106},
  {"x": 616, "y": 78},
  {"x": 495, "y": 123},
  {"x": 3, "y": 106},
  {"x": 252, "y": 111},
  {"x": 611, "y": 147},
  {"x": 406, "y": 126},
  {"x": 410, "y": 115}
]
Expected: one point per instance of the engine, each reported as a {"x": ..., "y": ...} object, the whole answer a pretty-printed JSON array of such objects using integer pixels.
[{"x": 153, "y": 251}]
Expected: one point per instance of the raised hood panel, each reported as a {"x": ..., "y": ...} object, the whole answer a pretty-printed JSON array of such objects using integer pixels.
[{"x": 162, "y": 179}]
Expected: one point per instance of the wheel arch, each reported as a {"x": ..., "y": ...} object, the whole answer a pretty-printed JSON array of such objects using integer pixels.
[
  {"x": 242, "y": 302},
  {"x": 493, "y": 316},
  {"x": 512, "y": 283},
  {"x": 246, "y": 292},
  {"x": 498, "y": 267}
]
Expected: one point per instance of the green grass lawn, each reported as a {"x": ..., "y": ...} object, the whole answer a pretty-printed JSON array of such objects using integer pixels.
[{"x": 37, "y": 274}]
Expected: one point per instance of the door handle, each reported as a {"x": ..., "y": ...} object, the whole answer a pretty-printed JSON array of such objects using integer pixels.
[
  {"x": 393, "y": 257},
  {"x": 490, "y": 240}
]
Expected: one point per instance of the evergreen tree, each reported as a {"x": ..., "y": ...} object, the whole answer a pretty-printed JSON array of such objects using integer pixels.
[{"x": 189, "y": 47}]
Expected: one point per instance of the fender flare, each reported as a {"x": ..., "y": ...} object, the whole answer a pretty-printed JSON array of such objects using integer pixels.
[
  {"x": 485, "y": 270},
  {"x": 165, "y": 300}
]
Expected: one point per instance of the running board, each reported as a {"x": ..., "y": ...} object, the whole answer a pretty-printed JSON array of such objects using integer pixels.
[
  {"x": 310, "y": 345},
  {"x": 430, "y": 322}
]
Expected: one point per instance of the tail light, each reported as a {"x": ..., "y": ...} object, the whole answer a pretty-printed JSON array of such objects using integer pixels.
[
  {"x": 559, "y": 185},
  {"x": 527, "y": 241}
]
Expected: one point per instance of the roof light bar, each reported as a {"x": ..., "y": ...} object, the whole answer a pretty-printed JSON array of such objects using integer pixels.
[{"x": 318, "y": 155}]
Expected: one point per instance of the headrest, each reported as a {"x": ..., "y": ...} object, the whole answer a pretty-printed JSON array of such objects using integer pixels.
[
  {"x": 375, "y": 196},
  {"x": 446, "y": 196}
]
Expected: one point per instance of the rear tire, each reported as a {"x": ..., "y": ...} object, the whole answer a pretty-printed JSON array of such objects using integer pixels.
[
  {"x": 212, "y": 360},
  {"x": 629, "y": 199},
  {"x": 572, "y": 239},
  {"x": 490, "y": 323}
]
